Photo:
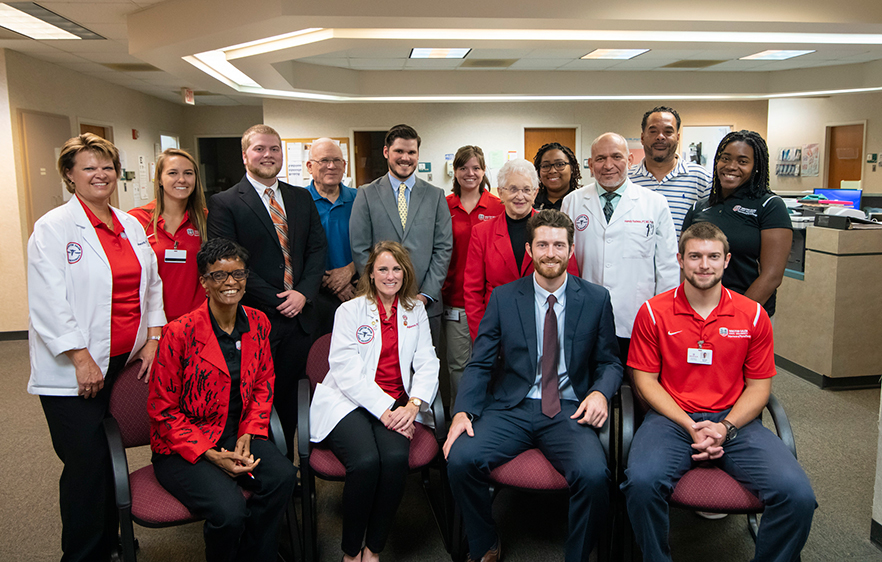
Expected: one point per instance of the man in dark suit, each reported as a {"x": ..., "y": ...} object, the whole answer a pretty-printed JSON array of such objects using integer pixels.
[
  {"x": 401, "y": 207},
  {"x": 549, "y": 342},
  {"x": 280, "y": 227}
]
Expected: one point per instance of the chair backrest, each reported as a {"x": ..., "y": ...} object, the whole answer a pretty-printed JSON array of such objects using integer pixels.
[
  {"x": 128, "y": 405},
  {"x": 317, "y": 365}
]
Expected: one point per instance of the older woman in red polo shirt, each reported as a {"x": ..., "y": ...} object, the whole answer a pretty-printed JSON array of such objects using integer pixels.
[
  {"x": 383, "y": 378},
  {"x": 470, "y": 203},
  {"x": 175, "y": 226},
  {"x": 95, "y": 303}
]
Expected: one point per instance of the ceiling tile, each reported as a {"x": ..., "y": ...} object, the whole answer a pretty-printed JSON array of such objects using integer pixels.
[
  {"x": 432, "y": 64},
  {"x": 539, "y": 64},
  {"x": 92, "y": 12},
  {"x": 377, "y": 64},
  {"x": 499, "y": 53},
  {"x": 96, "y": 46},
  {"x": 557, "y": 53},
  {"x": 368, "y": 52}
]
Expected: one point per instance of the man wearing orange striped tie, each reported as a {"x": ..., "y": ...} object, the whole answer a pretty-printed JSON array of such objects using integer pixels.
[{"x": 280, "y": 227}]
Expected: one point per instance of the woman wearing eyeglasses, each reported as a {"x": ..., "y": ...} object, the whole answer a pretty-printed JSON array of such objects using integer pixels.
[
  {"x": 175, "y": 225},
  {"x": 559, "y": 175},
  {"x": 210, "y": 399},
  {"x": 497, "y": 251}
]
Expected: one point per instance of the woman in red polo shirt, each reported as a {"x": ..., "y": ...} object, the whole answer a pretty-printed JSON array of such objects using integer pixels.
[
  {"x": 470, "y": 203},
  {"x": 175, "y": 226},
  {"x": 383, "y": 378},
  {"x": 95, "y": 303}
]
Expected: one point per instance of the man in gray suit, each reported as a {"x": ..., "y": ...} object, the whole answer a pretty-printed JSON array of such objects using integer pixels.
[{"x": 401, "y": 207}]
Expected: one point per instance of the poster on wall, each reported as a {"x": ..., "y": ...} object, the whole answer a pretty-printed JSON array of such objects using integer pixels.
[{"x": 811, "y": 155}]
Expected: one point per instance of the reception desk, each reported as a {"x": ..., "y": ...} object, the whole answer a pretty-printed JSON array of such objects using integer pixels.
[{"x": 828, "y": 325}]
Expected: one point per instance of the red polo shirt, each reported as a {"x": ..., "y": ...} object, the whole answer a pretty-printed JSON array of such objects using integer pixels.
[
  {"x": 181, "y": 290},
  {"x": 388, "y": 375},
  {"x": 488, "y": 207},
  {"x": 738, "y": 331},
  {"x": 125, "y": 308}
]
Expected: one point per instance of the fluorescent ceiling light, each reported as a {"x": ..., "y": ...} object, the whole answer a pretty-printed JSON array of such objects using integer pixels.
[
  {"x": 615, "y": 54},
  {"x": 216, "y": 64},
  {"x": 36, "y": 22},
  {"x": 775, "y": 55},
  {"x": 439, "y": 53}
]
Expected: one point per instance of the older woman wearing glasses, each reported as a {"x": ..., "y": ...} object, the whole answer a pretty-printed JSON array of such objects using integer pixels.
[
  {"x": 498, "y": 247},
  {"x": 209, "y": 405}
]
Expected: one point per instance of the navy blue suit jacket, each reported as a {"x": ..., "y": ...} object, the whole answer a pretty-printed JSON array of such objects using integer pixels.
[{"x": 508, "y": 335}]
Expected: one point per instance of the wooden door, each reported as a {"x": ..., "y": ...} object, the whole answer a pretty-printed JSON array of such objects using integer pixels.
[
  {"x": 42, "y": 137},
  {"x": 845, "y": 151},
  {"x": 369, "y": 161},
  {"x": 104, "y": 133},
  {"x": 534, "y": 138}
]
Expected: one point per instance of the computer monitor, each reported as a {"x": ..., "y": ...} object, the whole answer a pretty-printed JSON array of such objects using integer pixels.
[{"x": 852, "y": 195}]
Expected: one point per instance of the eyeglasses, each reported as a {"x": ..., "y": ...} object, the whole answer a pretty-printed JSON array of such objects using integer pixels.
[
  {"x": 515, "y": 191},
  {"x": 325, "y": 162},
  {"x": 559, "y": 165},
  {"x": 221, "y": 276}
]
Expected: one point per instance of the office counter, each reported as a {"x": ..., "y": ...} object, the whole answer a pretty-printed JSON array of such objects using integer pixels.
[{"x": 828, "y": 325}]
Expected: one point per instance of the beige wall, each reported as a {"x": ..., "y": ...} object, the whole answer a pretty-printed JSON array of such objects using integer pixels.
[
  {"x": 795, "y": 122},
  {"x": 496, "y": 126},
  {"x": 217, "y": 121}
]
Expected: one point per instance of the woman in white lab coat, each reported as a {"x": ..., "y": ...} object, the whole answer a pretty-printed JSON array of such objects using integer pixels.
[
  {"x": 383, "y": 378},
  {"x": 95, "y": 303}
]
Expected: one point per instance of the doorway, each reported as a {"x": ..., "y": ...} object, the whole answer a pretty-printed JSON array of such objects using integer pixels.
[
  {"x": 535, "y": 137},
  {"x": 369, "y": 161},
  {"x": 107, "y": 134},
  {"x": 845, "y": 149},
  {"x": 43, "y": 134},
  {"x": 220, "y": 163}
]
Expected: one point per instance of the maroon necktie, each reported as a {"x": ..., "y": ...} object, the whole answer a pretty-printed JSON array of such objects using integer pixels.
[{"x": 550, "y": 360}]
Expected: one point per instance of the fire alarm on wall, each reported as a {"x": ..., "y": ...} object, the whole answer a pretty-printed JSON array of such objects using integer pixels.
[{"x": 135, "y": 134}]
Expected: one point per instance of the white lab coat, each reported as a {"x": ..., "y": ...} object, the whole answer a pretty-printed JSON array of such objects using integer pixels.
[
  {"x": 70, "y": 288},
  {"x": 634, "y": 256},
  {"x": 356, "y": 343}
]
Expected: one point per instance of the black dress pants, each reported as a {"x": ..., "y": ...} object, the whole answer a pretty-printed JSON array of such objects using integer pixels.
[
  {"x": 376, "y": 461},
  {"x": 234, "y": 530},
  {"x": 289, "y": 345},
  {"x": 89, "y": 518}
]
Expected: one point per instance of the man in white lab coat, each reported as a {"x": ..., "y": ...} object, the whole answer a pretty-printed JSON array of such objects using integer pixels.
[{"x": 625, "y": 237}]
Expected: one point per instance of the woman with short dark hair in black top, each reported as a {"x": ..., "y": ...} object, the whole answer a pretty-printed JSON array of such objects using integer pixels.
[{"x": 754, "y": 219}]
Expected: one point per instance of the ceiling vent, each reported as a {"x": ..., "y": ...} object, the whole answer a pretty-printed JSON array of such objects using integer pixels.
[
  {"x": 487, "y": 63},
  {"x": 131, "y": 67},
  {"x": 693, "y": 63}
]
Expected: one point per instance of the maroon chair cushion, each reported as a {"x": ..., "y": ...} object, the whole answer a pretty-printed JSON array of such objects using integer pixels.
[
  {"x": 708, "y": 488},
  {"x": 128, "y": 405},
  {"x": 151, "y": 504},
  {"x": 423, "y": 449},
  {"x": 529, "y": 470},
  {"x": 317, "y": 365}
]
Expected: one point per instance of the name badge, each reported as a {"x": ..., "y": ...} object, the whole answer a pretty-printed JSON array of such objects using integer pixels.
[
  {"x": 175, "y": 256},
  {"x": 698, "y": 356},
  {"x": 451, "y": 314}
]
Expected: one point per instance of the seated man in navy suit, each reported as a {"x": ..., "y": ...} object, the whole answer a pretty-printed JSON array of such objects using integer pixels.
[{"x": 554, "y": 338}]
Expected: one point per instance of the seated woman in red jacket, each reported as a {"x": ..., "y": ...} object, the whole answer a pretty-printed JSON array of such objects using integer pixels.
[{"x": 210, "y": 400}]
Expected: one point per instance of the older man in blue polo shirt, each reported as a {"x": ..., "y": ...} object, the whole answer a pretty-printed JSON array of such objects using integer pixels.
[{"x": 334, "y": 203}]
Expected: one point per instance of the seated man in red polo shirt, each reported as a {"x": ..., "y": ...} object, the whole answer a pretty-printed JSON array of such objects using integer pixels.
[{"x": 703, "y": 360}]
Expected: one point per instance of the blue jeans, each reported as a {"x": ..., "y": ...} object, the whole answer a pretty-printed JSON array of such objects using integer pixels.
[{"x": 757, "y": 458}]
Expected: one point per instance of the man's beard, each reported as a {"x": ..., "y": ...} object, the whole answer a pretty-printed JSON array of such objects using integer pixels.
[
  {"x": 265, "y": 172},
  {"x": 550, "y": 269}
]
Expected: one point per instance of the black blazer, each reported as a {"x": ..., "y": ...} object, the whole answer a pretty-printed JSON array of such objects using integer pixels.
[
  {"x": 239, "y": 214},
  {"x": 508, "y": 335}
]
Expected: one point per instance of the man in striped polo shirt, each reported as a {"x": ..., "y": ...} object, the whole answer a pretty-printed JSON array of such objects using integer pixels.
[{"x": 682, "y": 183}]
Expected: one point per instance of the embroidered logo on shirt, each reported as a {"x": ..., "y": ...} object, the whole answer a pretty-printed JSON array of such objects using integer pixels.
[
  {"x": 670, "y": 333},
  {"x": 724, "y": 332},
  {"x": 74, "y": 252},
  {"x": 744, "y": 210},
  {"x": 727, "y": 333},
  {"x": 364, "y": 334},
  {"x": 581, "y": 222},
  {"x": 192, "y": 232},
  {"x": 483, "y": 217}
]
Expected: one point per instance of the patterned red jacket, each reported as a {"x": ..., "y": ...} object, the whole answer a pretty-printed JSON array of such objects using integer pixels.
[{"x": 189, "y": 386}]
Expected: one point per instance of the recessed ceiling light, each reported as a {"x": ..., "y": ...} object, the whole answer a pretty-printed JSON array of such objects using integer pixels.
[
  {"x": 36, "y": 22},
  {"x": 614, "y": 54},
  {"x": 775, "y": 55},
  {"x": 216, "y": 64},
  {"x": 439, "y": 53}
]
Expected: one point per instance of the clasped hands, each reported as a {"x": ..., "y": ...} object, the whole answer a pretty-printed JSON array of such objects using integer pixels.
[
  {"x": 401, "y": 419},
  {"x": 708, "y": 438},
  {"x": 234, "y": 463}
]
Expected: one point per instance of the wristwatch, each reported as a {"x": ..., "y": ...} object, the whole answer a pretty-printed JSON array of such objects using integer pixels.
[
  {"x": 416, "y": 402},
  {"x": 731, "y": 430}
]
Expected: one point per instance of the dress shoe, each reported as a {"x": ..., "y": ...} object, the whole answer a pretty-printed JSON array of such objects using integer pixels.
[{"x": 492, "y": 555}]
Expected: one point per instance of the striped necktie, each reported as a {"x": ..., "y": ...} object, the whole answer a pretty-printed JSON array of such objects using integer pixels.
[
  {"x": 281, "y": 224},
  {"x": 608, "y": 208},
  {"x": 402, "y": 205}
]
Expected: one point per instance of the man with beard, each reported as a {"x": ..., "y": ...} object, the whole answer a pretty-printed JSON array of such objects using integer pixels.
[
  {"x": 682, "y": 183},
  {"x": 401, "y": 207},
  {"x": 547, "y": 342},
  {"x": 280, "y": 227},
  {"x": 703, "y": 359},
  {"x": 625, "y": 238}
]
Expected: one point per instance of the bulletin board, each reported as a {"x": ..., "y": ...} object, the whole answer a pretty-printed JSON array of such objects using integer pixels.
[{"x": 296, "y": 152}]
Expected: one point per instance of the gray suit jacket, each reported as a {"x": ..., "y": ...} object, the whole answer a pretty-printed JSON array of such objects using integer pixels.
[{"x": 428, "y": 236}]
